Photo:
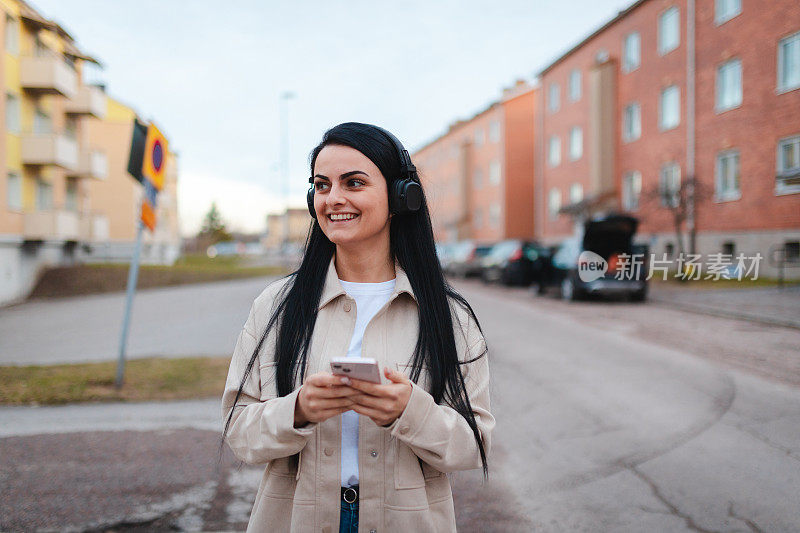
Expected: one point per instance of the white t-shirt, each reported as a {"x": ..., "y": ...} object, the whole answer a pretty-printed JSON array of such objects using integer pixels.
[{"x": 369, "y": 297}]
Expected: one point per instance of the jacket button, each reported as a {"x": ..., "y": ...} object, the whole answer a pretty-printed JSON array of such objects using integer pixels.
[
  {"x": 347, "y": 307},
  {"x": 373, "y": 453},
  {"x": 328, "y": 451},
  {"x": 404, "y": 430}
]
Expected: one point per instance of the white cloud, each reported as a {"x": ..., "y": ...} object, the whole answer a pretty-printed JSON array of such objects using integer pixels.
[{"x": 243, "y": 206}]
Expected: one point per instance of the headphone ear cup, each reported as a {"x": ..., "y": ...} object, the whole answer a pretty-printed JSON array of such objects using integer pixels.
[
  {"x": 310, "y": 202},
  {"x": 406, "y": 196}
]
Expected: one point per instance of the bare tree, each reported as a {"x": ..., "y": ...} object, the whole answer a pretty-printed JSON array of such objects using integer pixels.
[{"x": 679, "y": 200}]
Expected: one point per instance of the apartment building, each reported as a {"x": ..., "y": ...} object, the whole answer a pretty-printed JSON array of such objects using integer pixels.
[
  {"x": 478, "y": 176},
  {"x": 671, "y": 90},
  {"x": 288, "y": 227},
  {"x": 65, "y": 195}
]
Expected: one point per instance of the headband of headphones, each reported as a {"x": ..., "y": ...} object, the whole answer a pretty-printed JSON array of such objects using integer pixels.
[{"x": 405, "y": 194}]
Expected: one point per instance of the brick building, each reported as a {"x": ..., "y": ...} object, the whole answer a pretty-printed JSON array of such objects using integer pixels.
[
  {"x": 478, "y": 176},
  {"x": 666, "y": 91}
]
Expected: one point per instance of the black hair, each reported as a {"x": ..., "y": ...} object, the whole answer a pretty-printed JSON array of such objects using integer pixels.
[{"x": 412, "y": 246}]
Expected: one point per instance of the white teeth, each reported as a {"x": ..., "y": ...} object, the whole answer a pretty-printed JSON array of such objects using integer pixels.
[{"x": 343, "y": 217}]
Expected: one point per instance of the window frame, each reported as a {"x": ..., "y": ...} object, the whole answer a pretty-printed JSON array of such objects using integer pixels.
[
  {"x": 662, "y": 181},
  {"x": 782, "y": 87},
  {"x": 626, "y": 138},
  {"x": 720, "y": 20},
  {"x": 554, "y": 162},
  {"x": 574, "y": 89},
  {"x": 553, "y": 97},
  {"x": 725, "y": 195},
  {"x": 782, "y": 174},
  {"x": 495, "y": 172},
  {"x": 17, "y": 179},
  {"x": 571, "y": 148},
  {"x": 553, "y": 196},
  {"x": 661, "y": 46},
  {"x": 626, "y": 67},
  {"x": 718, "y": 86},
  {"x": 630, "y": 202},
  {"x": 661, "y": 125}
]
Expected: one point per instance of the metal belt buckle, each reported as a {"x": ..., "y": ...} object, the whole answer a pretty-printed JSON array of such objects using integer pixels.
[{"x": 348, "y": 492}]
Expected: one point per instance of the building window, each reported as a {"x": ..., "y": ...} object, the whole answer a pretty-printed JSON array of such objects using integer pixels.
[
  {"x": 575, "y": 143},
  {"x": 12, "y": 35},
  {"x": 478, "y": 178},
  {"x": 670, "y": 185},
  {"x": 553, "y": 202},
  {"x": 479, "y": 137},
  {"x": 792, "y": 250},
  {"x": 669, "y": 30},
  {"x": 41, "y": 122},
  {"x": 631, "y": 52},
  {"x": 669, "y": 249},
  {"x": 553, "y": 103},
  {"x": 12, "y": 113},
  {"x": 631, "y": 190},
  {"x": 725, "y": 10},
  {"x": 71, "y": 198},
  {"x": 727, "y": 181},
  {"x": 575, "y": 193},
  {"x": 554, "y": 151},
  {"x": 574, "y": 85},
  {"x": 729, "y": 85},
  {"x": 670, "y": 108},
  {"x": 71, "y": 127},
  {"x": 39, "y": 48},
  {"x": 494, "y": 172},
  {"x": 788, "y": 179},
  {"x": 494, "y": 131},
  {"x": 478, "y": 216},
  {"x": 729, "y": 248},
  {"x": 632, "y": 122},
  {"x": 789, "y": 63},
  {"x": 44, "y": 194},
  {"x": 494, "y": 215},
  {"x": 14, "y": 192}
]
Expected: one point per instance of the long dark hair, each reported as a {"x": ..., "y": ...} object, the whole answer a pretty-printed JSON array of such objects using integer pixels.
[{"x": 412, "y": 246}]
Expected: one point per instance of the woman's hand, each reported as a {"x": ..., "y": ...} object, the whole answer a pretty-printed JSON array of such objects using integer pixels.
[
  {"x": 322, "y": 396},
  {"x": 382, "y": 403}
]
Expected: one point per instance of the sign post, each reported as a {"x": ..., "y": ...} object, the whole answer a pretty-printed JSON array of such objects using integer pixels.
[{"x": 146, "y": 164}]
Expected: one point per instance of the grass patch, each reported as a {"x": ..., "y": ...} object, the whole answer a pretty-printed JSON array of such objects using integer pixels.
[
  {"x": 78, "y": 280},
  {"x": 154, "y": 378}
]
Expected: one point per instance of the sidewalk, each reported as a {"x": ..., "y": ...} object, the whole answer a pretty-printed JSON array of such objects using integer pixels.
[{"x": 779, "y": 307}]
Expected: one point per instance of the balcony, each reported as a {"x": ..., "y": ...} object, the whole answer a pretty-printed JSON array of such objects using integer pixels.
[
  {"x": 91, "y": 164},
  {"x": 89, "y": 100},
  {"x": 93, "y": 227},
  {"x": 52, "y": 224},
  {"x": 48, "y": 74},
  {"x": 49, "y": 149}
]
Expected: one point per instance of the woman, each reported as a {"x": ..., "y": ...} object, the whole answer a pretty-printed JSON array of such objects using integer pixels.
[{"x": 369, "y": 285}]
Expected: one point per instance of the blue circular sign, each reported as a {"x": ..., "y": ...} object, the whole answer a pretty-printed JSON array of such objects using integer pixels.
[{"x": 158, "y": 155}]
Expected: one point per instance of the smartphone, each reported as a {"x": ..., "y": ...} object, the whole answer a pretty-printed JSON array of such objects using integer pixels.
[{"x": 364, "y": 368}]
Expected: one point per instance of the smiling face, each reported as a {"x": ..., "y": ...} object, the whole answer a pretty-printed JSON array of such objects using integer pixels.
[{"x": 351, "y": 198}]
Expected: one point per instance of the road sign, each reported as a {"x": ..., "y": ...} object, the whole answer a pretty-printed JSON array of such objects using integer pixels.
[{"x": 155, "y": 157}]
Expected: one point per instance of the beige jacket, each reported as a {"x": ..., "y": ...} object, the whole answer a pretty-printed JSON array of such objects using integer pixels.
[{"x": 403, "y": 484}]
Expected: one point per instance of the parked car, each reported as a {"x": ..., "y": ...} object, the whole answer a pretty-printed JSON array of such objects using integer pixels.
[
  {"x": 444, "y": 251},
  {"x": 466, "y": 259},
  {"x": 514, "y": 262},
  {"x": 608, "y": 237}
]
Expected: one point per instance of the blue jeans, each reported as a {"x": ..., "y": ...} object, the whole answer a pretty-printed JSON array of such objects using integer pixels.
[{"x": 348, "y": 520}]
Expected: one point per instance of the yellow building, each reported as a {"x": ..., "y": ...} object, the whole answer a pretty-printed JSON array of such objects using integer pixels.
[{"x": 65, "y": 194}]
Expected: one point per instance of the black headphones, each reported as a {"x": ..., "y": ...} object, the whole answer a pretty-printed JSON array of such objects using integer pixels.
[{"x": 405, "y": 194}]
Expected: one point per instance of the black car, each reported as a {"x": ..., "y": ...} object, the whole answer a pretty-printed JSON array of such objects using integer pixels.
[
  {"x": 514, "y": 262},
  {"x": 600, "y": 260}
]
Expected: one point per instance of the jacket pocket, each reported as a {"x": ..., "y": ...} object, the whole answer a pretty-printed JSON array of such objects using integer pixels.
[
  {"x": 266, "y": 373},
  {"x": 407, "y": 469},
  {"x": 430, "y": 472}
]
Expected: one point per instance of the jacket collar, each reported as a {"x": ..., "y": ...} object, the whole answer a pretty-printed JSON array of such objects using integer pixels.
[{"x": 333, "y": 288}]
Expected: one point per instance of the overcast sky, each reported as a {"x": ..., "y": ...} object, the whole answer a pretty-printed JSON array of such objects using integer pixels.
[{"x": 210, "y": 74}]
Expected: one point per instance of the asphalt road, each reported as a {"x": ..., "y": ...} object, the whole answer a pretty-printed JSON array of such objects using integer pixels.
[{"x": 610, "y": 417}]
